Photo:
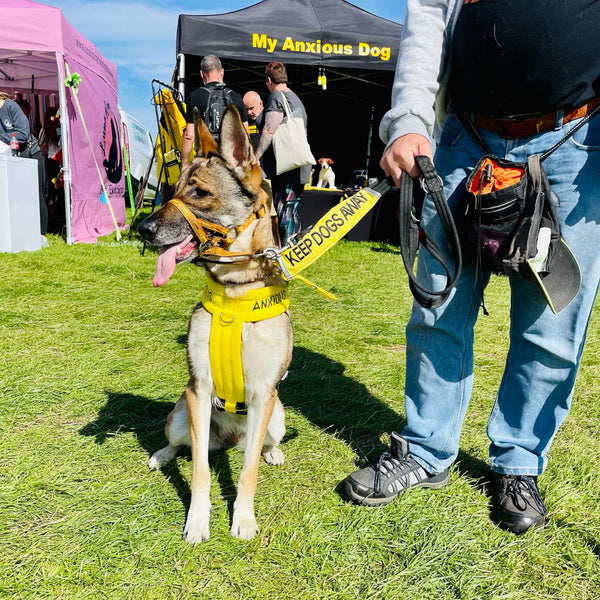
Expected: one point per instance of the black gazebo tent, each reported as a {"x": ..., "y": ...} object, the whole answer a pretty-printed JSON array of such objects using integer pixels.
[{"x": 355, "y": 50}]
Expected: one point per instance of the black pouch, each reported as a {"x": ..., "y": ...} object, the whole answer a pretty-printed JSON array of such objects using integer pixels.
[
  {"x": 30, "y": 148},
  {"x": 502, "y": 198},
  {"x": 493, "y": 205},
  {"x": 507, "y": 221}
]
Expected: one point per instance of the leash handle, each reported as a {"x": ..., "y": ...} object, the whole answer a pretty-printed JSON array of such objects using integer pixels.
[{"x": 411, "y": 198}]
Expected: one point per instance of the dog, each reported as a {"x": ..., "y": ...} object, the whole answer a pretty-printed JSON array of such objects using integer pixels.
[
  {"x": 223, "y": 187},
  {"x": 326, "y": 174}
]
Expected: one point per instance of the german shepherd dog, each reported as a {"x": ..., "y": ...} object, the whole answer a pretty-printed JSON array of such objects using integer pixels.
[{"x": 223, "y": 187}]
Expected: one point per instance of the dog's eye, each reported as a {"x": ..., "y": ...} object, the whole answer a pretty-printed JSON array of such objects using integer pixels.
[{"x": 198, "y": 192}]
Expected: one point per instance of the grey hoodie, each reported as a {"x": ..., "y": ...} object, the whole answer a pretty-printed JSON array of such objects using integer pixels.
[{"x": 419, "y": 103}]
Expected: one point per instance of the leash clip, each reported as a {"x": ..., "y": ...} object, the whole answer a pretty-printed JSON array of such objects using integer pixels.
[{"x": 425, "y": 186}]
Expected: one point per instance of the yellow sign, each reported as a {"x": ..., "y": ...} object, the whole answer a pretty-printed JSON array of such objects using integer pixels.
[
  {"x": 289, "y": 44},
  {"x": 332, "y": 227}
]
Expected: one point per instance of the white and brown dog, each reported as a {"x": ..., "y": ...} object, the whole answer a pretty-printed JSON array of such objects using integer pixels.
[{"x": 326, "y": 174}]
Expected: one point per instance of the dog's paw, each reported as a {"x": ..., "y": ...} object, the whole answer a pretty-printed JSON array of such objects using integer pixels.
[
  {"x": 196, "y": 527},
  {"x": 243, "y": 528},
  {"x": 273, "y": 456},
  {"x": 162, "y": 457}
]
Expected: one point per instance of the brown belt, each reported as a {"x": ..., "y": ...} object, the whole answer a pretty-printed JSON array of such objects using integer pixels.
[{"x": 518, "y": 127}]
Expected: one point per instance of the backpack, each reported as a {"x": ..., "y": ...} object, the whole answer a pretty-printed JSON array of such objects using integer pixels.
[{"x": 219, "y": 97}]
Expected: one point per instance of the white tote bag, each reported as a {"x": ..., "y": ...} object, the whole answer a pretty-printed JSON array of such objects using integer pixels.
[{"x": 290, "y": 145}]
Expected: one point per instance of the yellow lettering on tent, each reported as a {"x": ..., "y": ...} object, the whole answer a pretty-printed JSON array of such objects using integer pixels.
[
  {"x": 365, "y": 49},
  {"x": 263, "y": 41},
  {"x": 288, "y": 44}
]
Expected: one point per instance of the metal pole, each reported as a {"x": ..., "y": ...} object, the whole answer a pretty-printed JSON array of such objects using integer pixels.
[
  {"x": 368, "y": 161},
  {"x": 181, "y": 74},
  {"x": 65, "y": 142}
]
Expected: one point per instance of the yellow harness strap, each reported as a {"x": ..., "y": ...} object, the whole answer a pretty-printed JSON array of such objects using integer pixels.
[{"x": 225, "y": 343}]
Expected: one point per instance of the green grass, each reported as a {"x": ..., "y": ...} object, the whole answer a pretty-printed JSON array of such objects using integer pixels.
[{"x": 92, "y": 358}]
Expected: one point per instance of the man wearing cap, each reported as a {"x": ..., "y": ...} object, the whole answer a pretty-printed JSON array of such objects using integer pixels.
[{"x": 523, "y": 91}]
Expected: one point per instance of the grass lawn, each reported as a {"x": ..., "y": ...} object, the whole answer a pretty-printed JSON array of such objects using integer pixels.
[{"x": 92, "y": 358}]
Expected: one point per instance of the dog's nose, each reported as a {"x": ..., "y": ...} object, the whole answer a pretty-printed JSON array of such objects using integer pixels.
[{"x": 147, "y": 228}]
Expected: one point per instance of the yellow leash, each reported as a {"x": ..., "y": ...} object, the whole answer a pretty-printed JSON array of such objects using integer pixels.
[{"x": 329, "y": 230}]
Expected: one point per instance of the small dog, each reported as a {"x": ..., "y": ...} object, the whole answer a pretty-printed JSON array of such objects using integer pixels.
[
  {"x": 326, "y": 174},
  {"x": 223, "y": 189}
]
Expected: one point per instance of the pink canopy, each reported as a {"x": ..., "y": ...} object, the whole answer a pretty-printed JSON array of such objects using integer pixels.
[{"x": 37, "y": 46}]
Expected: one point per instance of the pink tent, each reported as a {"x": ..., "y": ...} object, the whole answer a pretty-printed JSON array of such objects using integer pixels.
[{"x": 37, "y": 46}]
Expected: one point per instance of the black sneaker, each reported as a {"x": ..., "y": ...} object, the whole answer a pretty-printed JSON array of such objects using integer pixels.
[
  {"x": 518, "y": 505},
  {"x": 395, "y": 472}
]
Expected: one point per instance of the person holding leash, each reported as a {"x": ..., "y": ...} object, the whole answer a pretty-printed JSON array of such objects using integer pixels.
[{"x": 524, "y": 74}]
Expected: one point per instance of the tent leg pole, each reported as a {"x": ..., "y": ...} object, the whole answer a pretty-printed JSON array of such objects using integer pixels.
[
  {"x": 66, "y": 166},
  {"x": 181, "y": 74}
]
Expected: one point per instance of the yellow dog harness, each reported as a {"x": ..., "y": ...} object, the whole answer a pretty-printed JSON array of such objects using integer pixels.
[{"x": 225, "y": 343}]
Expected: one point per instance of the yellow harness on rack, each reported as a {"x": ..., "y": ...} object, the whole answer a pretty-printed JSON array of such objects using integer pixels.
[{"x": 225, "y": 344}]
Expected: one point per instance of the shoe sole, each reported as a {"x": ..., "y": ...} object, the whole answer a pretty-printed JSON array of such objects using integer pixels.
[
  {"x": 373, "y": 502},
  {"x": 520, "y": 527}
]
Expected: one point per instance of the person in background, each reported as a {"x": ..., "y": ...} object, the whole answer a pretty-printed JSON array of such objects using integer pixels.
[
  {"x": 25, "y": 107},
  {"x": 13, "y": 120},
  {"x": 523, "y": 91},
  {"x": 287, "y": 187},
  {"x": 49, "y": 141},
  {"x": 256, "y": 114},
  {"x": 255, "y": 110},
  {"x": 212, "y": 74}
]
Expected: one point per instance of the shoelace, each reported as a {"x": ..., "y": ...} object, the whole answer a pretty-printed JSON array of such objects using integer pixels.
[
  {"x": 386, "y": 465},
  {"x": 522, "y": 487}
]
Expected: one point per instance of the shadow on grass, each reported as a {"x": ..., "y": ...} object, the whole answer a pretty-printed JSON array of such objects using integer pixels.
[
  {"x": 128, "y": 413},
  {"x": 316, "y": 387}
]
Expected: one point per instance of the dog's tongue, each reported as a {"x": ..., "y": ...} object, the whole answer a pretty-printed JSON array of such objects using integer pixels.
[{"x": 165, "y": 266}]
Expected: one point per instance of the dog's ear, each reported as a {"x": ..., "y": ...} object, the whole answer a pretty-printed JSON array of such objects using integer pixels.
[
  {"x": 329, "y": 161},
  {"x": 236, "y": 148},
  {"x": 204, "y": 142}
]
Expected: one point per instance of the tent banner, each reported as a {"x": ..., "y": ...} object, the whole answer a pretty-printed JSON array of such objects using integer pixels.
[
  {"x": 325, "y": 33},
  {"x": 101, "y": 155},
  {"x": 91, "y": 215}
]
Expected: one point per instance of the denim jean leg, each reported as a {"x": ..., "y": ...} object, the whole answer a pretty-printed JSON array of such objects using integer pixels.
[
  {"x": 439, "y": 359},
  {"x": 545, "y": 349}
]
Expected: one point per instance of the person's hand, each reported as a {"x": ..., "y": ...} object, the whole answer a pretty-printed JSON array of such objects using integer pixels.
[{"x": 400, "y": 155}]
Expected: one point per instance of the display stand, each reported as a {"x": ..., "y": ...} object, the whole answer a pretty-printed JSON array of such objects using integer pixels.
[{"x": 19, "y": 205}]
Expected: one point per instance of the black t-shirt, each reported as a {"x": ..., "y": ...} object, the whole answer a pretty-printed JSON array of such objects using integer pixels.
[
  {"x": 255, "y": 126},
  {"x": 518, "y": 57},
  {"x": 199, "y": 98}
]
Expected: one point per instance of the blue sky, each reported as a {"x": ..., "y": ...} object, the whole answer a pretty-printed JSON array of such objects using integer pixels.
[{"x": 139, "y": 37}]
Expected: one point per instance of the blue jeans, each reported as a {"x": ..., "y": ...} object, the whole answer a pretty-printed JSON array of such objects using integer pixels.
[{"x": 545, "y": 348}]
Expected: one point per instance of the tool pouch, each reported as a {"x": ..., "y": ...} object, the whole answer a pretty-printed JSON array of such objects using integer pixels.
[{"x": 503, "y": 207}]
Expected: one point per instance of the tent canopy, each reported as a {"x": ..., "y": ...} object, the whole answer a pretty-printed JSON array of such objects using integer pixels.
[
  {"x": 356, "y": 50},
  {"x": 37, "y": 43}
]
